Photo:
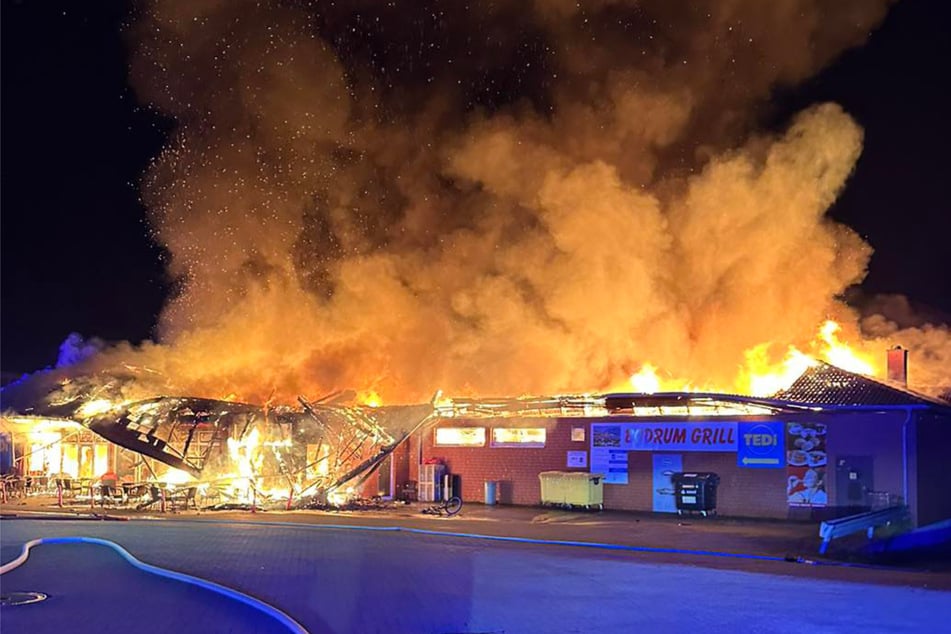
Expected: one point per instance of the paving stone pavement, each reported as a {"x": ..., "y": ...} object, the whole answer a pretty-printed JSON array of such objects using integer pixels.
[
  {"x": 91, "y": 588},
  {"x": 346, "y": 580}
]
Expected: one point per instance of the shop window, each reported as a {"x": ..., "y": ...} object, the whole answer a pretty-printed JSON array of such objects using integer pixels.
[
  {"x": 71, "y": 459},
  {"x": 460, "y": 436},
  {"x": 518, "y": 437}
]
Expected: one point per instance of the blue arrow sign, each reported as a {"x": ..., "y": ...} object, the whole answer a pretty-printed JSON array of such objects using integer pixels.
[{"x": 761, "y": 445}]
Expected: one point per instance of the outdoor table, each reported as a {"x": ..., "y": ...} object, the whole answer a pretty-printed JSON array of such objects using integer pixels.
[{"x": 12, "y": 486}]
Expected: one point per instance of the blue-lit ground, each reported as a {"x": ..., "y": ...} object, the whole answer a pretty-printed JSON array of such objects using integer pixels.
[{"x": 346, "y": 580}]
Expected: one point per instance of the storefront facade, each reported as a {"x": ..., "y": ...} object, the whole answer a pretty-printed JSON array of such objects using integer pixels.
[
  {"x": 39, "y": 451},
  {"x": 786, "y": 461}
]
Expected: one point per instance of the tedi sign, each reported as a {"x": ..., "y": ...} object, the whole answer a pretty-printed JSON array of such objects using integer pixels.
[{"x": 762, "y": 446}]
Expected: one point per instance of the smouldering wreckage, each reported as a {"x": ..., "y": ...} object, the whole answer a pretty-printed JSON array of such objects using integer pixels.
[
  {"x": 246, "y": 454},
  {"x": 240, "y": 455}
]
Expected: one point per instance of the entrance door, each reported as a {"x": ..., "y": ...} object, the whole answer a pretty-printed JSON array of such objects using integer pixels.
[
  {"x": 385, "y": 478},
  {"x": 86, "y": 464},
  {"x": 665, "y": 465},
  {"x": 853, "y": 481}
]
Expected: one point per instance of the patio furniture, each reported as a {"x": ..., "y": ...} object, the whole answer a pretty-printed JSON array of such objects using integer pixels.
[
  {"x": 12, "y": 487},
  {"x": 181, "y": 499},
  {"x": 156, "y": 495},
  {"x": 68, "y": 486},
  {"x": 134, "y": 492},
  {"x": 108, "y": 488}
]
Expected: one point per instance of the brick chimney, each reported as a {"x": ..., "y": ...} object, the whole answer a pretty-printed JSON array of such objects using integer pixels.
[{"x": 898, "y": 365}]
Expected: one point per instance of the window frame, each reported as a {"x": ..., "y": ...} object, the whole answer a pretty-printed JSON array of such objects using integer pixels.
[
  {"x": 436, "y": 442},
  {"x": 495, "y": 444}
]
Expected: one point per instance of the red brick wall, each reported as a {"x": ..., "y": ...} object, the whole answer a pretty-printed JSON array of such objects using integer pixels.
[
  {"x": 750, "y": 492},
  {"x": 742, "y": 491},
  {"x": 873, "y": 434},
  {"x": 515, "y": 469},
  {"x": 637, "y": 494}
]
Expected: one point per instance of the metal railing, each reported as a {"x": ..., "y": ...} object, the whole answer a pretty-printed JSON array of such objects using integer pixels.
[{"x": 869, "y": 521}]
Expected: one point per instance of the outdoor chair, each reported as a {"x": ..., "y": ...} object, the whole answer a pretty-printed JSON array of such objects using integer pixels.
[
  {"x": 182, "y": 498},
  {"x": 13, "y": 486},
  {"x": 155, "y": 495},
  {"x": 107, "y": 492},
  {"x": 134, "y": 493},
  {"x": 68, "y": 486},
  {"x": 84, "y": 488}
]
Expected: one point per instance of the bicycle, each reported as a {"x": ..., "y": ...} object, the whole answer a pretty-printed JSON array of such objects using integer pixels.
[{"x": 445, "y": 508}]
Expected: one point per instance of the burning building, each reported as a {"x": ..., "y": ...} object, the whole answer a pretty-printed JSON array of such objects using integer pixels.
[
  {"x": 833, "y": 442},
  {"x": 348, "y": 200},
  {"x": 234, "y": 454}
]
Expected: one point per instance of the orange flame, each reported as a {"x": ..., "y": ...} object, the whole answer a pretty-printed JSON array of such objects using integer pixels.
[
  {"x": 840, "y": 354},
  {"x": 764, "y": 378},
  {"x": 646, "y": 380},
  {"x": 370, "y": 398},
  {"x": 764, "y": 374}
]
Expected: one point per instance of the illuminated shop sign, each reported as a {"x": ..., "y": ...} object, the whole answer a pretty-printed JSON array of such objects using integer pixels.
[
  {"x": 762, "y": 446},
  {"x": 518, "y": 437},
  {"x": 713, "y": 436},
  {"x": 460, "y": 437},
  {"x": 610, "y": 442}
]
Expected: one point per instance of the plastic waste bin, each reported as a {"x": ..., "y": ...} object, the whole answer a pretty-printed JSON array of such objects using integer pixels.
[
  {"x": 695, "y": 492},
  {"x": 552, "y": 487},
  {"x": 583, "y": 489},
  {"x": 491, "y": 492}
]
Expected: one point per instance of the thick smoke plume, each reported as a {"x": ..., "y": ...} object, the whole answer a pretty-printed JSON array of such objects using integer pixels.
[{"x": 493, "y": 198}]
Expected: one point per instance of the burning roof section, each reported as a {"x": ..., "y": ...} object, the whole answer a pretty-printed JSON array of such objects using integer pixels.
[
  {"x": 178, "y": 431},
  {"x": 240, "y": 451},
  {"x": 683, "y": 404},
  {"x": 314, "y": 450},
  {"x": 828, "y": 385},
  {"x": 823, "y": 386}
]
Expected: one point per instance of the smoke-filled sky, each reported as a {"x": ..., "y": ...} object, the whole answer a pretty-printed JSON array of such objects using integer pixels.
[{"x": 490, "y": 198}]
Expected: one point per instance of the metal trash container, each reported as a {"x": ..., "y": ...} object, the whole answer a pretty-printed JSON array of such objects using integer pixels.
[
  {"x": 491, "y": 492},
  {"x": 695, "y": 492}
]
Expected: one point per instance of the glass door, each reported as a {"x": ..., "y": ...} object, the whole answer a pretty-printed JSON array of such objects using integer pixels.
[{"x": 665, "y": 465}]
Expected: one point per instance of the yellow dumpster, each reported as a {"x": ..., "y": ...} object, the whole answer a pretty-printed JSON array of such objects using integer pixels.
[
  {"x": 553, "y": 488},
  {"x": 583, "y": 489}
]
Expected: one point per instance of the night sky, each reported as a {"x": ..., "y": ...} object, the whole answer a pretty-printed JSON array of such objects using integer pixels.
[{"x": 76, "y": 251}]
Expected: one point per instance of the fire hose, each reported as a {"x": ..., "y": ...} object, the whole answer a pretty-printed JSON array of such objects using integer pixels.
[
  {"x": 546, "y": 542},
  {"x": 269, "y": 610}
]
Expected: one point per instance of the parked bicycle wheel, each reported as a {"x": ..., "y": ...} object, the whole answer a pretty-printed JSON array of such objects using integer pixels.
[{"x": 453, "y": 505}]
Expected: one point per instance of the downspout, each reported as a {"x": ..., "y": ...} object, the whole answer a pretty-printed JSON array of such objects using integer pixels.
[{"x": 904, "y": 462}]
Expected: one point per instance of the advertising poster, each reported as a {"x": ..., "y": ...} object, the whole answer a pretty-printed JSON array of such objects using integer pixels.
[
  {"x": 607, "y": 454},
  {"x": 806, "y": 461}
]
